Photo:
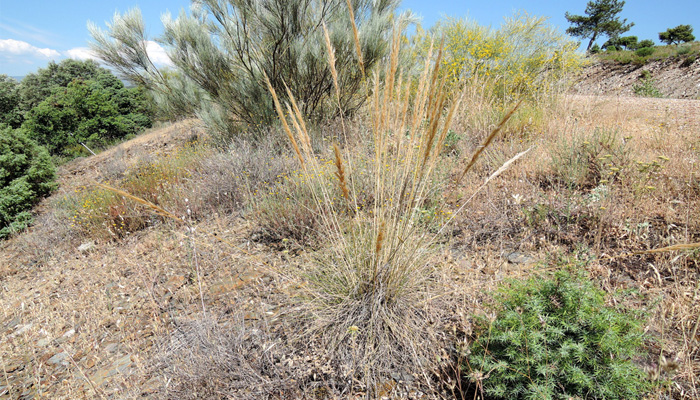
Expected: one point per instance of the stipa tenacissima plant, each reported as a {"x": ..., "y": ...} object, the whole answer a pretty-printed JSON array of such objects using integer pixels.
[{"x": 369, "y": 290}]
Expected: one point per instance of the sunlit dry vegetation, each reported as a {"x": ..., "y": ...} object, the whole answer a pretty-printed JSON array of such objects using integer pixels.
[{"x": 447, "y": 223}]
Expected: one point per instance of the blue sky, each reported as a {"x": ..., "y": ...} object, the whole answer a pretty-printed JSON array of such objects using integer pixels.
[{"x": 34, "y": 32}]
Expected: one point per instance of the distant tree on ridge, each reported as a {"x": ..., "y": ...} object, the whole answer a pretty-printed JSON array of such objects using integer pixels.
[{"x": 601, "y": 19}]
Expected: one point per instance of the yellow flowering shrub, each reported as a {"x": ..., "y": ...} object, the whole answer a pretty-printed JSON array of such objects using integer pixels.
[{"x": 524, "y": 56}]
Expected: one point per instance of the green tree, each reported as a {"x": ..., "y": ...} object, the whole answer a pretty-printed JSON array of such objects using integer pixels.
[
  {"x": 679, "y": 34},
  {"x": 620, "y": 43},
  {"x": 26, "y": 175},
  {"x": 629, "y": 42},
  {"x": 601, "y": 19},
  {"x": 9, "y": 102},
  {"x": 645, "y": 43},
  {"x": 37, "y": 86},
  {"x": 92, "y": 112},
  {"x": 223, "y": 49}
]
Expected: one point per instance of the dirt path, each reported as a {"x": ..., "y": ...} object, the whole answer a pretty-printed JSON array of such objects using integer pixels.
[{"x": 650, "y": 119}]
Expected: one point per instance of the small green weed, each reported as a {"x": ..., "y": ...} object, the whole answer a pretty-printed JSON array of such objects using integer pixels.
[
  {"x": 587, "y": 162},
  {"x": 647, "y": 88}
]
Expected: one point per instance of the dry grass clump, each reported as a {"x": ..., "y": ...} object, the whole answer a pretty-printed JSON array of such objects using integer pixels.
[
  {"x": 205, "y": 359},
  {"x": 232, "y": 179},
  {"x": 586, "y": 161},
  {"x": 369, "y": 292}
]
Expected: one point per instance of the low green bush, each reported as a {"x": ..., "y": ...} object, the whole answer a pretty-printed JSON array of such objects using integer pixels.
[
  {"x": 644, "y": 51},
  {"x": 647, "y": 87},
  {"x": 683, "y": 50},
  {"x": 587, "y": 161},
  {"x": 26, "y": 175},
  {"x": 556, "y": 339}
]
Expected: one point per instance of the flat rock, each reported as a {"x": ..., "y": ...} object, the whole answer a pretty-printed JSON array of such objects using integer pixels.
[
  {"x": 59, "y": 358},
  {"x": 121, "y": 366},
  {"x": 516, "y": 257},
  {"x": 87, "y": 246}
]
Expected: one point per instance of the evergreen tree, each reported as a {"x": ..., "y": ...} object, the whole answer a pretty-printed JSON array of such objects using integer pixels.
[
  {"x": 9, "y": 102},
  {"x": 601, "y": 19},
  {"x": 26, "y": 175},
  {"x": 679, "y": 34}
]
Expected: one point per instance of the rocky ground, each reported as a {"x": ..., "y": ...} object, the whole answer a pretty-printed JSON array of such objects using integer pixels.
[{"x": 674, "y": 78}]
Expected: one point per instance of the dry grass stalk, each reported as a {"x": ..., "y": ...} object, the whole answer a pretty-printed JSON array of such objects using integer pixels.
[
  {"x": 283, "y": 119},
  {"x": 356, "y": 38},
  {"x": 434, "y": 121},
  {"x": 305, "y": 139},
  {"x": 380, "y": 238},
  {"x": 390, "y": 80},
  {"x": 331, "y": 62},
  {"x": 433, "y": 80},
  {"x": 488, "y": 140},
  {"x": 156, "y": 209},
  {"x": 340, "y": 173}
]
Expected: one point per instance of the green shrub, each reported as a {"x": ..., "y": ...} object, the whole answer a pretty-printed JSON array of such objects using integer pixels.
[
  {"x": 647, "y": 87},
  {"x": 26, "y": 175},
  {"x": 683, "y": 50},
  {"x": 644, "y": 51},
  {"x": 688, "y": 61},
  {"x": 555, "y": 339},
  {"x": 95, "y": 112},
  {"x": 524, "y": 56},
  {"x": 9, "y": 102},
  {"x": 586, "y": 162},
  {"x": 222, "y": 51}
]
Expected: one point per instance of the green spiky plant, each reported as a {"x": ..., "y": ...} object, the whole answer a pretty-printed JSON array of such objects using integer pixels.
[{"x": 556, "y": 339}]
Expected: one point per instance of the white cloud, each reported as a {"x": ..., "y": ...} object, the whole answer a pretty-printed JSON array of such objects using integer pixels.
[
  {"x": 80, "y": 53},
  {"x": 157, "y": 54},
  {"x": 18, "y": 47},
  {"x": 155, "y": 51}
]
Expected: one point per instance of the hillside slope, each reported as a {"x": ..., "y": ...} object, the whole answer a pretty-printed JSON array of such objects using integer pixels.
[
  {"x": 210, "y": 310},
  {"x": 673, "y": 78}
]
